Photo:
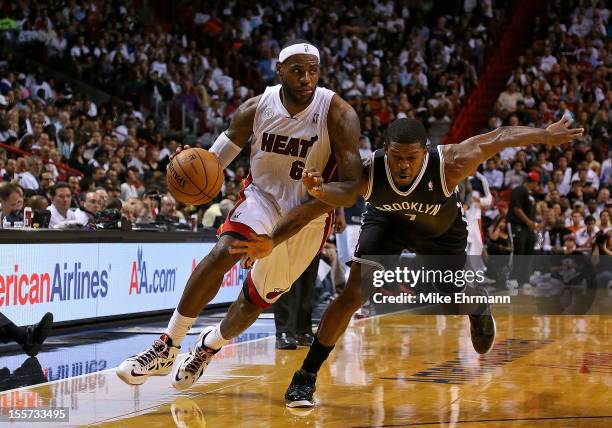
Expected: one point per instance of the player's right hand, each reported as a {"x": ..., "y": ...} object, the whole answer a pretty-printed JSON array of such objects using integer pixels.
[{"x": 313, "y": 181}]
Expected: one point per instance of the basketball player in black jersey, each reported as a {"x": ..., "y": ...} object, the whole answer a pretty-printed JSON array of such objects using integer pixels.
[{"x": 411, "y": 204}]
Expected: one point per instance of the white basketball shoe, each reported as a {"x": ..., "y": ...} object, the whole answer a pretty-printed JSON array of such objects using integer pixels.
[
  {"x": 189, "y": 368},
  {"x": 154, "y": 361}
]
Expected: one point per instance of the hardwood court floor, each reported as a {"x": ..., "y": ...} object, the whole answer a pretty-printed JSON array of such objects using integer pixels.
[{"x": 396, "y": 370}]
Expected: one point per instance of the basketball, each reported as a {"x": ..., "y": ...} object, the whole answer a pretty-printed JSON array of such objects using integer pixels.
[{"x": 194, "y": 176}]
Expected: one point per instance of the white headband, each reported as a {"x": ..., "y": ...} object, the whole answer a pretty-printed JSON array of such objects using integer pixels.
[{"x": 297, "y": 49}]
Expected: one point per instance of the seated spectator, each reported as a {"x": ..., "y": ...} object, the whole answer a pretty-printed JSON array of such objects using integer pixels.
[
  {"x": 225, "y": 206},
  {"x": 132, "y": 188},
  {"x": 168, "y": 210},
  {"x": 498, "y": 239},
  {"x": 585, "y": 236},
  {"x": 29, "y": 179},
  {"x": 61, "y": 198},
  {"x": 9, "y": 170},
  {"x": 214, "y": 211},
  {"x": 11, "y": 204},
  {"x": 133, "y": 209},
  {"x": 516, "y": 176},
  {"x": 494, "y": 176},
  {"x": 576, "y": 222},
  {"x": 604, "y": 222},
  {"x": 507, "y": 100},
  {"x": 91, "y": 206},
  {"x": 37, "y": 202},
  {"x": 569, "y": 246}
]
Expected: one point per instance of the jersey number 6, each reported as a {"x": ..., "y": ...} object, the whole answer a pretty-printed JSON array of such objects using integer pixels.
[{"x": 296, "y": 170}]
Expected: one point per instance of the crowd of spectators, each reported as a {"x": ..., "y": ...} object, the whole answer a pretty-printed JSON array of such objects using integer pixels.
[
  {"x": 387, "y": 59},
  {"x": 566, "y": 72}
]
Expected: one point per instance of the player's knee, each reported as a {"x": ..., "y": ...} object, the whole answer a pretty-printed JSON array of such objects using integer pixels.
[{"x": 247, "y": 308}]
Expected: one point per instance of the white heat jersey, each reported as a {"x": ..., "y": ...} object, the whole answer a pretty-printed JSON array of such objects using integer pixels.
[{"x": 282, "y": 146}]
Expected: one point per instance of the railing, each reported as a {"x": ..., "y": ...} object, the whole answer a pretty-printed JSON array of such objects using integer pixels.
[{"x": 60, "y": 166}]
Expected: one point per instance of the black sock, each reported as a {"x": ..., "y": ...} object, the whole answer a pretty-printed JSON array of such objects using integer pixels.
[
  {"x": 18, "y": 334},
  {"x": 317, "y": 354}
]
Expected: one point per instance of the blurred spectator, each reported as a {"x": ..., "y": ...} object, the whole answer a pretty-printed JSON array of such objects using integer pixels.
[
  {"x": 516, "y": 176},
  {"x": 507, "y": 100},
  {"x": 37, "y": 202},
  {"x": 132, "y": 188},
  {"x": 494, "y": 176},
  {"x": 91, "y": 206},
  {"x": 585, "y": 236},
  {"x": 11, "y": 203},
  {"x": 216, "y": 211},
  {"x": 168, "y": 209},
  {"x": 29, "y": 179},
  {"x": 498, "y": 239}
]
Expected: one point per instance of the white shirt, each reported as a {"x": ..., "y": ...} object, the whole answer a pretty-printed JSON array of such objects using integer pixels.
[
  {"x": 128, "y": 191},
  {"x": 28, "y": 181},
  {"x": 77, "y": 51},
  {"x": 58, "y": 218},
  {"x": 495, "y": 178},
  {"x": 591, "y": 176},
  {"x": 582, "y": 235},
  {"x": 375, "y": 90},
  {"x": 81, "y": 216},
  {"x": 547, "y": 63}
]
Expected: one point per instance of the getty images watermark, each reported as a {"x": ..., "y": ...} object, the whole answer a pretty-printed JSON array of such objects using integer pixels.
[
  {"x": 558, "y": 284},
  {"x": 442, "y": 287}
]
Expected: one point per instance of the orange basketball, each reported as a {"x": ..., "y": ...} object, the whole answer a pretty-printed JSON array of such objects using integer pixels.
[{"x": 194, "y": 176}]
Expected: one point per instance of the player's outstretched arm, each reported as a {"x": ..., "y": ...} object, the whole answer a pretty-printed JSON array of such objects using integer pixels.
[
  {"x": 344, "y": 133},
  {"x": 461, "y": 160}
]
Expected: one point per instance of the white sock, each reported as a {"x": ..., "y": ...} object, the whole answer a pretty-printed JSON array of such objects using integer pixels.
[
  {"x": 214, "y": 340},
  {"x": 178, "y": 327}
]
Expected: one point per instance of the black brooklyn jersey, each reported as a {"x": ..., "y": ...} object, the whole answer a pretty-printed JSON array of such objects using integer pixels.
[{"x": 427, "y": 209}]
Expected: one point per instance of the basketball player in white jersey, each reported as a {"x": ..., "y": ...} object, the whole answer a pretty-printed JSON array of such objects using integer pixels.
[{"x": 291, "y": 126}]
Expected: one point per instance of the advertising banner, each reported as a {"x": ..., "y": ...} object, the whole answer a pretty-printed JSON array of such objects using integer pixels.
[{"x": 78, "y": 281}]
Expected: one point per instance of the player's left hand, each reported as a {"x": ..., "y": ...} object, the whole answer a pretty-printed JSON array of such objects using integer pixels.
[
  {"x": 178, "y": 150},
  {"x": 340, "y": 225},
  {"x": 256, "y": 247},
  {"x": 313, "y": 181},
  {"x": 246, "y": 262},
  {"x": 561, "y": 132}
]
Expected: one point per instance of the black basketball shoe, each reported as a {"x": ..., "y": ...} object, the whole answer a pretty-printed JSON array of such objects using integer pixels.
[
  {"x": 482, "y": 328},
  {"x": 301, "y": 390}
]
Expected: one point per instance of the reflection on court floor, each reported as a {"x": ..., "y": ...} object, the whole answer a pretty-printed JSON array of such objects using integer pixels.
[{"x": 394, "y": 370}]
